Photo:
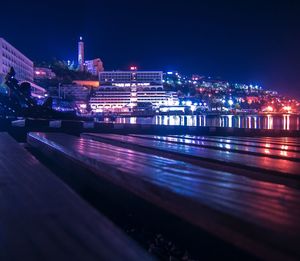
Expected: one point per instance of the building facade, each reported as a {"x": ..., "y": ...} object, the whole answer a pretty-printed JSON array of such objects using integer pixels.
[
  {"x": 41, "y": 73},
  {"x": 11, "y": 57},
  {"x": 94, "y": 66},
  {"x": 125, "y": 90}
]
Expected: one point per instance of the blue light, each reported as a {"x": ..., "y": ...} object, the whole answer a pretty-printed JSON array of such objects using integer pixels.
[{"x": 169, "y": 72}]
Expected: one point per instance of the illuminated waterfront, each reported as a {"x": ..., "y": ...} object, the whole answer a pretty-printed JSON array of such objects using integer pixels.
[{"x": 283, "y": 122}]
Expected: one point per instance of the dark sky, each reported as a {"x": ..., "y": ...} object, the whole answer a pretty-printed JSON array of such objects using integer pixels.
[{"x": 241, "y": 41}]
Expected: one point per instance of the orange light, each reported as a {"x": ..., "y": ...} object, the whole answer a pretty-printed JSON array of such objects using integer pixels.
[{"x": 270, "y": 108}]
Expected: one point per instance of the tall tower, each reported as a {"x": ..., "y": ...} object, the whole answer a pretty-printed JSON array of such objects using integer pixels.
[{"x": 80, "y": 54}]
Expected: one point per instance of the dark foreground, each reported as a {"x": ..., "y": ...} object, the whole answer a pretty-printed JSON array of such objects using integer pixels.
[{"x": 177, "y": 197}]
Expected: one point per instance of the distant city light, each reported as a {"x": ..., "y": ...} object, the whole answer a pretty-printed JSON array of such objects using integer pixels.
[
  {"x": 133, "y": 68},
  {"x": 169, "y": 72},
  {"x": 230, "y": 102}
]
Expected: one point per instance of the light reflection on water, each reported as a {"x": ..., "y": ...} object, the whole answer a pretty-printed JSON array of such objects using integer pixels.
[{"x": 284, "y": 122}]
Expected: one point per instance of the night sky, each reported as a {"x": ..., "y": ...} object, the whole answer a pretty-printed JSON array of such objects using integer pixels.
[{"x": 241, "y": 41}]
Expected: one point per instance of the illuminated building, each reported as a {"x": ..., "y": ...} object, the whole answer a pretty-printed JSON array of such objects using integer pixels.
[
  {"x": 81, "y": 54},
  {"x": 11, "y": 57},
  {"x": 41, "y": 73},
  {"x": 94, "y": 66},
  {"x": 124, "y": 90}
]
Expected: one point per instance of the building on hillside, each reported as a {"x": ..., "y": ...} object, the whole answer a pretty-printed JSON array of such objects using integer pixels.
[
  {"x": 41, "y": 73},
  {"x": 94, "y": 66},
  {"x": 121, "y": 91},
  {"x": 11, "y": 57}
]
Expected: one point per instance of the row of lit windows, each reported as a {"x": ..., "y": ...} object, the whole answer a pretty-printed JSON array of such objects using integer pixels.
[
  {"x": 130, "y": 86},
  {"x": 113, "y": 95},
  {"x": 137, "y": 89},
  {"x": 146, "y": 90},
  {"x": 151, "y": 93},
  {"x": 104, "y": 76},
  {"x": 17, "y": 68},
  {"x": 15, "y": 60},
  {"x": 128, "y": 95},
  {"x": 17, "y": 64},
  {"x": 105, "y": 104},
  {"x": 127, "y": 100},
  {"x": 110, "y": 105},
  {"x": 124, "y": 96},
  {"x": 131, "y": 73},
  {"x": 110, "y": 100},
  {"x": 12, "y": 56},
  {"x": 20, "y": 74},
  {"x": 113, "y": 92}
]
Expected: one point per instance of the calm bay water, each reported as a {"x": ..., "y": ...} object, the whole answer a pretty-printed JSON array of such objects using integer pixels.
[{"x": 284, "y": 122}]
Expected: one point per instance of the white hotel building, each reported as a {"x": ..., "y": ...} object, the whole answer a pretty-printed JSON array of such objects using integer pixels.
[
  {"x": 11, "y": 57},
  {"x": 124, "y": 90}
]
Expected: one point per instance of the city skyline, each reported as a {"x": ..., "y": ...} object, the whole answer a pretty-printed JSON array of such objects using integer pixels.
[{"x": 250, "y": 42}]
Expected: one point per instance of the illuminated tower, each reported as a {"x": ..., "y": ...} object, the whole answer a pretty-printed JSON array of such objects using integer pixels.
[{"x": 80, "y": 54}]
